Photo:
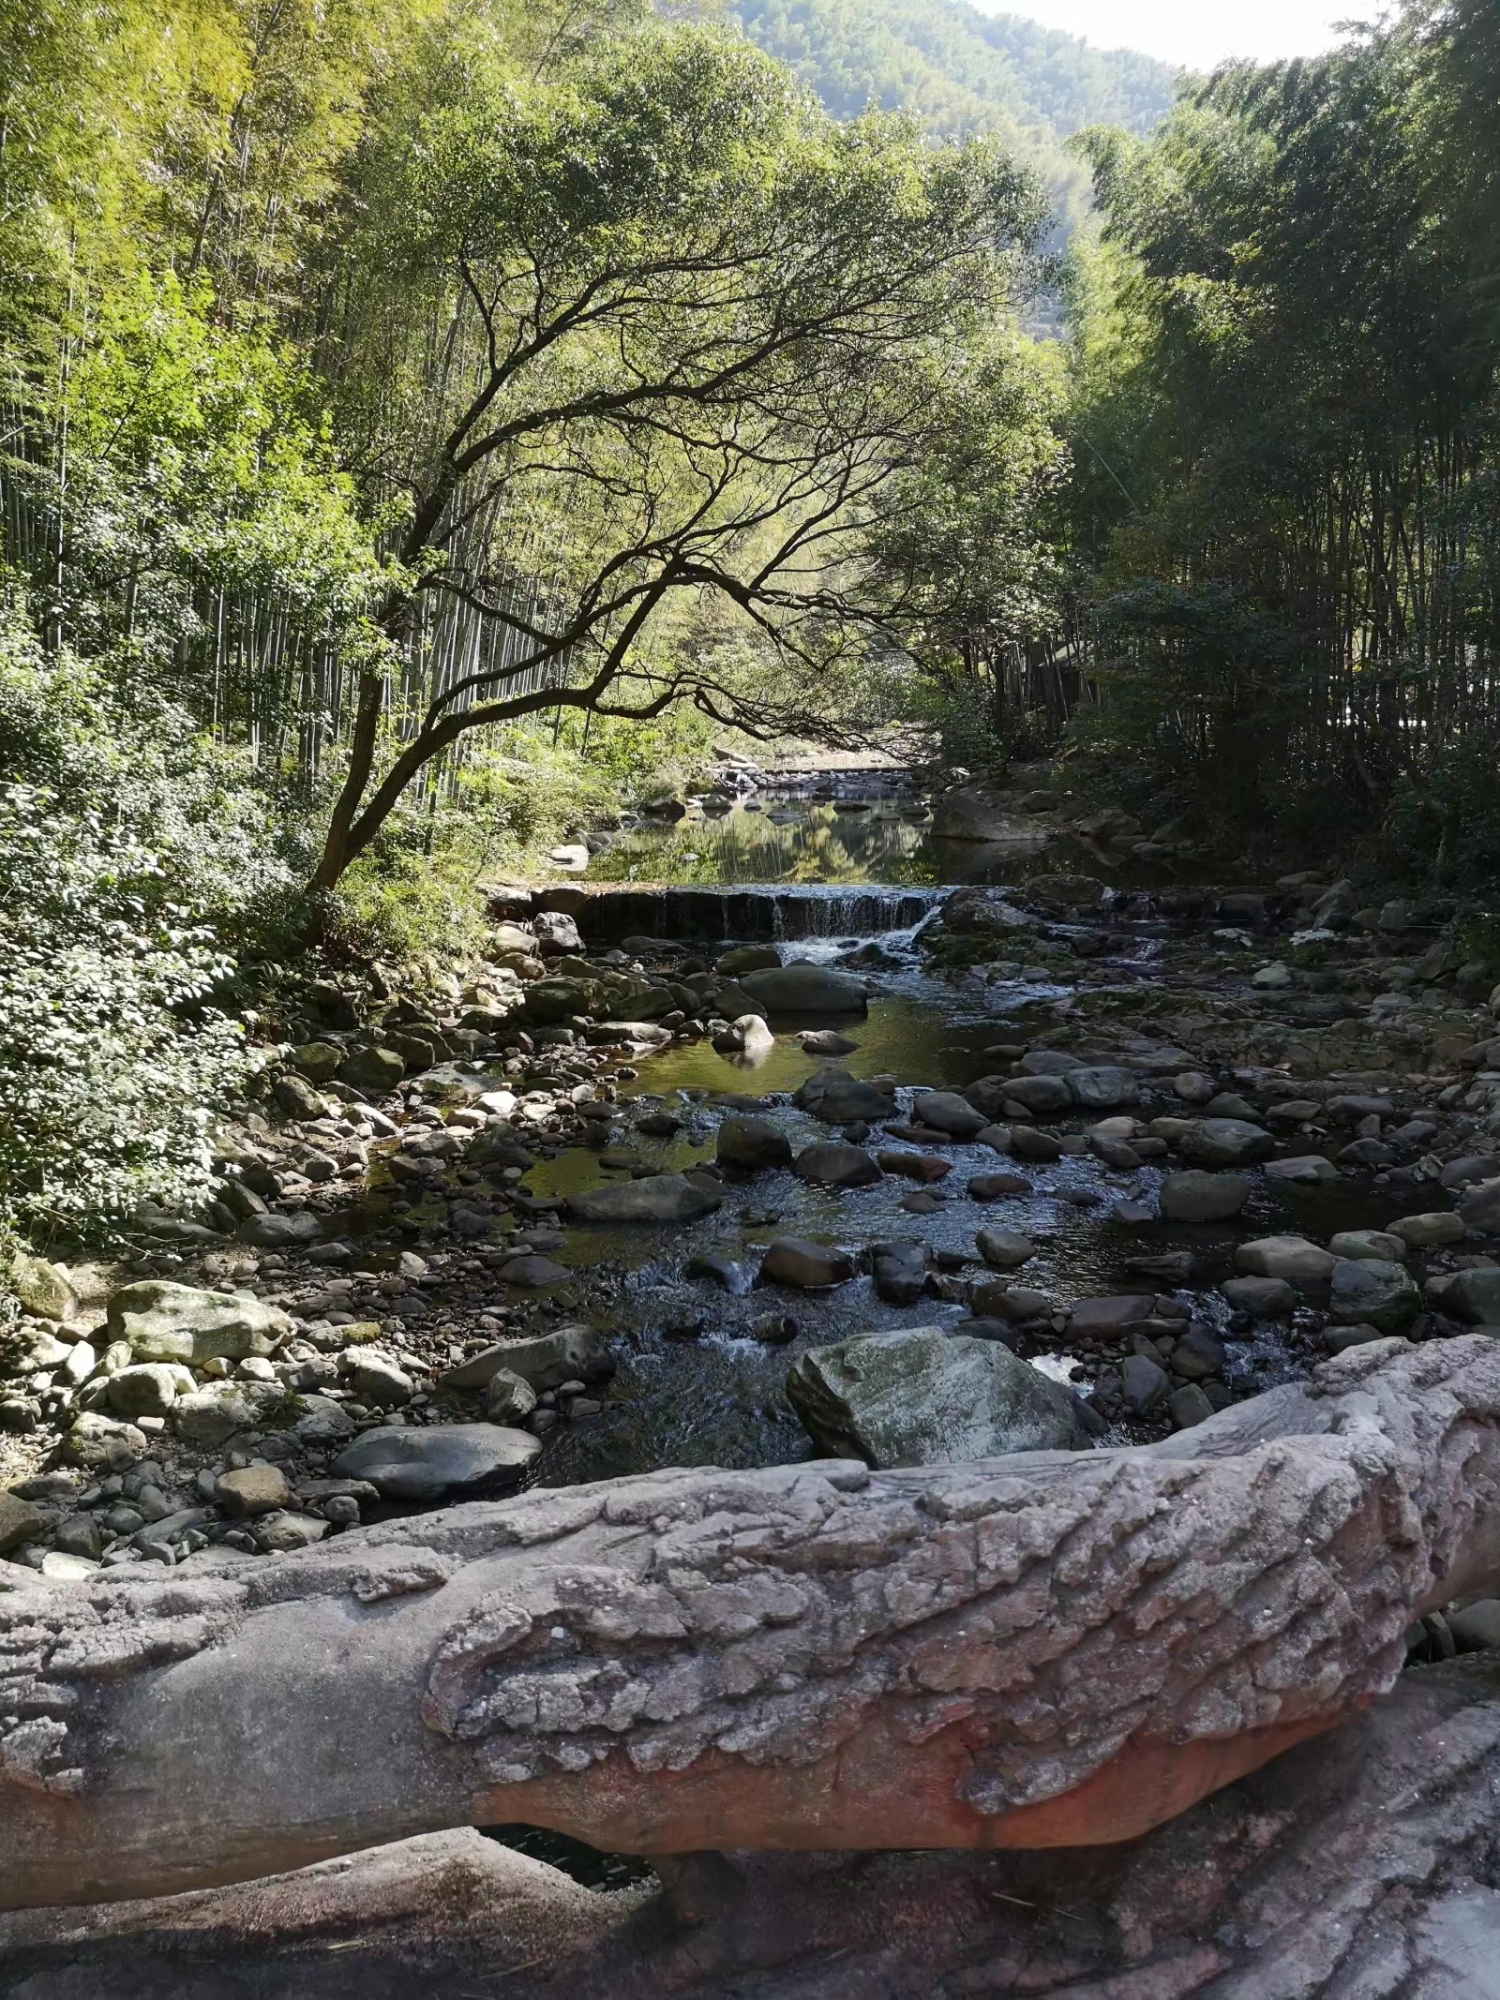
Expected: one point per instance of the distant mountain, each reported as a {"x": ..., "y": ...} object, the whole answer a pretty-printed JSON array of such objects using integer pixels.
[{"x": 963, "y": 71}]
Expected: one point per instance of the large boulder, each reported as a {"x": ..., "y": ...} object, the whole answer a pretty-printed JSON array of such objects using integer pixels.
[
  {"x": 1201, "y": 1197},
  {"x": 439, "y": 1462},
  {"x": 1065, "y": 892},
  {"x": 981, "y": 910},
  {"x": 1225, "y": 1142},
  {"x": 971, "y": 816},
  {"x": 551, "y": 1000},
  {"x": 838, "y": 1098},
  {"x": 1102, "y": 1086},
  {"x": 376, "y": 1070},
  {"x": 945, "y": 1111},
  {"x": 1042, "y": 1096},
  {"x": 807, "y": 989},
  {"x": 1364, "y": 1292},
  {"x": 922, "y": 1396},
  {"x": 1479, "y": 1208},
  {"x": 655, "y": 1198},
  {"x": 163, "y": 1321},
  {"x": 1472, "y": 1295},
  {"x": 748, "y": 958},
  {"x": 750, "y": 1145},
  {"x": 1290, "y": 1257},
  {"x": 806, "y": 1266},
  {"x": 830, "y": 1163}
]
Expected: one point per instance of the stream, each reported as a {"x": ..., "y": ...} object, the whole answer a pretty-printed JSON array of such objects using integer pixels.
[{"x": 853, "y": 881}]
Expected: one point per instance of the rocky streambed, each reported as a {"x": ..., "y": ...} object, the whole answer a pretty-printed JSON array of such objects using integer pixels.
[{"x": 1045, "y": 1164}]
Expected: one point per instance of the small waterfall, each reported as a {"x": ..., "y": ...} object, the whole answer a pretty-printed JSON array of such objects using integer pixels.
[{"x": 777, "y": 912}]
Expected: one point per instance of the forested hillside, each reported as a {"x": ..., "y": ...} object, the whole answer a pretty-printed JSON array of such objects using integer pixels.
[{"x": 960, "y": 70}]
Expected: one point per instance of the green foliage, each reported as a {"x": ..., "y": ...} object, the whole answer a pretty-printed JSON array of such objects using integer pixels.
[
  {"x": 1284, "y": 512},
  {"x": 124, "y": 852},
  {"x": 200, "y": 467}
]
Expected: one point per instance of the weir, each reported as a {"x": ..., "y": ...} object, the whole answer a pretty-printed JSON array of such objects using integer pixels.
[{"x": 771, "y": 911}]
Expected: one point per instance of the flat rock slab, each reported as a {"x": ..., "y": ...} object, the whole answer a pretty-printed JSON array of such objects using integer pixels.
[{"x": 439, "y": 1462}]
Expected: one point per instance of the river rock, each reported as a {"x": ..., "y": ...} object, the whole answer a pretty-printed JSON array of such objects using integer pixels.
[
  {"x": 210, "y": 1417},
  {"x": 41, "y": 1287},
  {"x": 20, "y": 1523},
  {"x": 838, "y": 1098},
  {"x": 1306, "y": 1170},
  {"x": 93, "y": 1440},
  {"x": 1289, "y": 1257},
  {"x": 508, "y": 1399},
  {"x": 1144, "y": 1383},
  {"x": 1195, "y": 1196},
  {"x": 377, "y": 1070},
  {"x": 656, "y": 1198},
  {"x": 826, "y": 1042},
  {"x": 997, "y": 1187},
  {"x": 1476, "y": 1629},
  {"x": 971, "y": 816},
  {"x": 1378, "y": 1246},
  {"x": 946, "y": 1111},
  {"x": 280, "y": 1232},
  {"x": 1102, "y": 1086},
  {"x": 1042, "y": 1096},
  {"x": 1004, "y": 1249},
  {"x": 1027, "y": 1143},
  {"x": 808, "y": 1266},
  {"x": 1064, "y": 892},
  {"x": 1111, "y": 1313},
  {"x": 913, "y": 1166},
  {"x": 149, "y": 1389},
  {"x": 900, "y": 1272},
  {"x": 1225, "y": 1142},
  {"x": 377, "y": 1379},
  {"x": 1429, "y": 1231},
  {"x": 921, "y": 1396},
  {"x": 1479, "y": 1208},
  {"x": 830, "y": 1163},
  {"x": 1198, "y": 1354},
  {"x": 807, "y": 989},
  {"x": 544, "y": 1360},
  {"x": 1474, "y": 1296},
  {"x": 163, "y": 1321},
  {"x": 751, "y": 1146},
  {"x": 747, "y": 1036},
  {"x": 252, "y": 1490},
  {"x": 532, "y": 1273},
  {"x": 747, "y": 958},
  {"x": 1363, "y": 1292},
  {"x": 551, "y": 1000},
  {"x": 1260, "y": 1298},
  {"x": 439, "y": 1462}
]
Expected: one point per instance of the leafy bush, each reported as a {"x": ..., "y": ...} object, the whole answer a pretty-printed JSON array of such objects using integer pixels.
[{"x": 125, "y": 846}]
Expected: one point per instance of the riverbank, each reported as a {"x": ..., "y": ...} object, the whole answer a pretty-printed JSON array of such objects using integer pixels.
[{"x": 424, "y": 1188}]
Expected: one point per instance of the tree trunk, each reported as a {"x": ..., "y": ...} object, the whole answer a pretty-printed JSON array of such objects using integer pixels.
[
  {"x": 1359, "y": 1865},
  {"x": 1054, "y": 1649}
]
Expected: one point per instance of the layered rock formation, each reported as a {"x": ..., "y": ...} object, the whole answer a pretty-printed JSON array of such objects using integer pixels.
[{"x": 1056, "y": 1648}]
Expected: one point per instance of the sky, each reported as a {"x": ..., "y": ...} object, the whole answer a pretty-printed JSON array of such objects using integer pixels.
[{"x": 1197, "y": 33}]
